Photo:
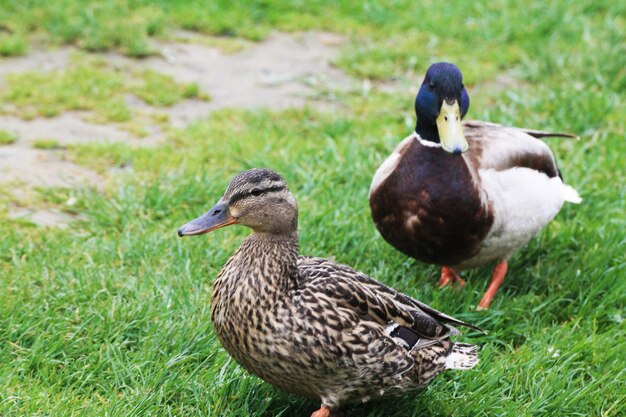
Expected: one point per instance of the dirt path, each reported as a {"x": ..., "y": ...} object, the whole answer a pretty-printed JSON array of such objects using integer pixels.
[{"x": 285, "y": 70}]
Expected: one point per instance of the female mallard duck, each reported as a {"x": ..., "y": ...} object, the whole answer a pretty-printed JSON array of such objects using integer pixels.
[
  {"x": 464, "y": 195},
  {"x": 309, "y": 325}
]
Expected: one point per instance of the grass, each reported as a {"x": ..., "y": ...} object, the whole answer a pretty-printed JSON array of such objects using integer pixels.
[
  {"x": 111, "y": 315},
  {"x": 7, "y": 138},
  {"x": 46, "y": 144},
  {"x": 91, "y": 84},
  {"x": 11, "y": 45},
  {"x": 160, "y": 90}
]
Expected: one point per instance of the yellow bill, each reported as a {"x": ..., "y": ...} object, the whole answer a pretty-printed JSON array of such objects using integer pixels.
[{"x": 450, "y": 129}]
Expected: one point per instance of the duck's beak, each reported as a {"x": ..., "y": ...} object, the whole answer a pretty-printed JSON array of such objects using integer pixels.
[
  {"x": 450, "y": 129},
  {"x": 218, "y": 216}
]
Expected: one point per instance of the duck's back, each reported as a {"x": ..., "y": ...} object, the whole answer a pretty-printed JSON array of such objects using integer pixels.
[
  {"x": 497, "y": 147},
  {"x": 350, "y": 322}
]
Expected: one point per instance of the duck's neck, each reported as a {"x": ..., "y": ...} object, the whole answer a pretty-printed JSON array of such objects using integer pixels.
[
  {"x": 266, "y": 262},
  {"x": 255, "y": 282},
  {"x": 427, "y": 131}
]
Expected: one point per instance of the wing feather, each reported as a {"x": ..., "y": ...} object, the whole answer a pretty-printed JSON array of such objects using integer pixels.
[
  {"x": 493, "y": 146},
  {"x": 351, "y": 289}
]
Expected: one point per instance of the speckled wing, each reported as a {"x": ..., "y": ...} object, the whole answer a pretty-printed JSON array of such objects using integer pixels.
[{"x": 367, "y": 297}]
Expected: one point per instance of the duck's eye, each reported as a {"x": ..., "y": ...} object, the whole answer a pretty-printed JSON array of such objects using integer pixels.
[{"x": 256, "y": 192}]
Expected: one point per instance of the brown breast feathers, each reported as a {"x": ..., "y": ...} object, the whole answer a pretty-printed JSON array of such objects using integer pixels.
[{"x": 429, "y": 208}]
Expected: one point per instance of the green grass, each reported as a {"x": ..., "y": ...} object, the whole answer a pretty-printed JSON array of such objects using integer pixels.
[
  {"x": 111, "y": 315},
  {"x": 46, "y": 144},
  {"x": 7, "y": 138},
  {"x": 160, "y": 90},
  {"x": 11, "y": 45},
  {"x": 90, "y": 84},
  {"x": 387, "y": 38}
]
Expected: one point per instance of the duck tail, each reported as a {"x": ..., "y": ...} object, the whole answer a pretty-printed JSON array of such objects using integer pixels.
[
  {"x": 571, "y": 195},
  {"x": 540, "y": 134},
  {"x": 462, "y": 356}
]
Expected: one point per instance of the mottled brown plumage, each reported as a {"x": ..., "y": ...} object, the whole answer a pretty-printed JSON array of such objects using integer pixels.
[{"x": 309, "y": 325}]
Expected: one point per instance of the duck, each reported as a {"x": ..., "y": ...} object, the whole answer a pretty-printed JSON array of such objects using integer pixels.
[
  {"x": 309, "y": 325},
  {"x": 463, "y": 194}
]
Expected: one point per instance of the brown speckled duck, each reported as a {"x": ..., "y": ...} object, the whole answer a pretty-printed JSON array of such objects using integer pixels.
[
  {"x": 309, "y": 325},
  {"x": 465, "y": 195}
]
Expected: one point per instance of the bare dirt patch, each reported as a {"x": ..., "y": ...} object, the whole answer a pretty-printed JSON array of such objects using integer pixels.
[
  {"x": 285, "y": 70},
  {"x": 36, "y": 61},
  {"x": 67, "y": 129},
  {"x": 23, "y": 166},
  {"x": 42, "y": 217}
]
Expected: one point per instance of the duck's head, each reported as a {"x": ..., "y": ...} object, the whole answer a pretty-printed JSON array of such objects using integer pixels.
[
  {"x": 257, "y": 198},
  {"x": 441, "y": 103}
]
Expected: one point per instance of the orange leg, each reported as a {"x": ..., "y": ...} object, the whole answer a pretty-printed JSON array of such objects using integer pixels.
[
  {"x": 498, "y": 276},
  {"x": 447, "y": 274},
  {"x": 324, "y": 411}
]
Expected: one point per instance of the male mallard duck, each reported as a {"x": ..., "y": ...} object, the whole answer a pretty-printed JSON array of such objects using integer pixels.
[
  {"x": 309, "y": 325},
  {"x": 464, "y": 195}
]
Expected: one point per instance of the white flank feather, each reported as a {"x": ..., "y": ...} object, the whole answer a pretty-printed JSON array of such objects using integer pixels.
[
  {"x": 463, "y": 356},
  {"x": 524, "y": 201}
]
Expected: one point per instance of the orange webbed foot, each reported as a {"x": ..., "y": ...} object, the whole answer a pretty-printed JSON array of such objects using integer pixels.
[
  {"x": 499, "y": 272},
  {"x": 324, "y": 411},
  {"x": 449, "y": 275}
]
